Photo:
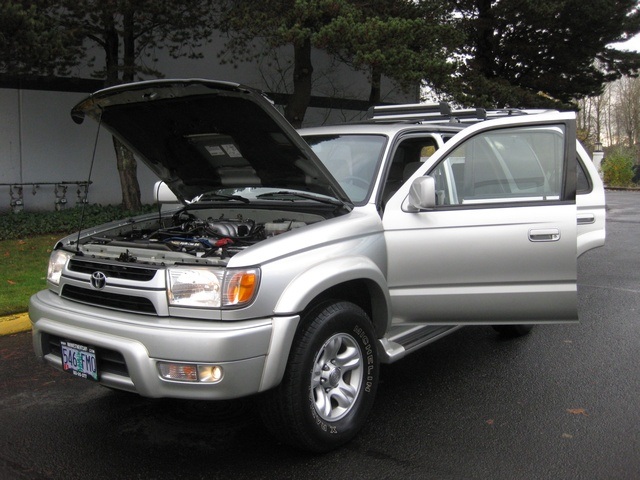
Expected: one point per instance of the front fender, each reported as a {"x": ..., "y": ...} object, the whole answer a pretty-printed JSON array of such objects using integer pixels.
[{"x": 309, "y": 284}]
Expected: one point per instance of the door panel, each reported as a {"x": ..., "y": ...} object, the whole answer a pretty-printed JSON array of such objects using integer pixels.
[
  {"x": 590, "y": 201},
  {"x": 500, "y": 247}
]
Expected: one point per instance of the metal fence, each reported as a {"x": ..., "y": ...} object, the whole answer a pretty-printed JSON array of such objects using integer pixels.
[{"x": 60, "y": 190}]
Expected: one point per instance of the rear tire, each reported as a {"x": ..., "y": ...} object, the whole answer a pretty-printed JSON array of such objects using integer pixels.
[
  {"x": 330, "y": 382},
  {"x": 513, "y": 330}
]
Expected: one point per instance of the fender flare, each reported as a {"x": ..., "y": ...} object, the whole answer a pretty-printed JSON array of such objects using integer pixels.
[{"x": 306, "y": 286}]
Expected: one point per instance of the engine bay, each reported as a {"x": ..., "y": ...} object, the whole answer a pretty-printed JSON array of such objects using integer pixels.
[{"x": 201, "y": 234}]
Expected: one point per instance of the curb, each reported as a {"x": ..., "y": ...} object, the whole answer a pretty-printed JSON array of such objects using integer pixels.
[{"x": 15, "y": 323}]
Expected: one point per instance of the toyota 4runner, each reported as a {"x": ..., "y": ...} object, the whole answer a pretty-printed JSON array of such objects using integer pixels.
[{"x": 295, "y": 262}]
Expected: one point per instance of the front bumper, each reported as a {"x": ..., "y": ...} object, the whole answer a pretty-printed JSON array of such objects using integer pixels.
[{"x": 128, "y": 347}]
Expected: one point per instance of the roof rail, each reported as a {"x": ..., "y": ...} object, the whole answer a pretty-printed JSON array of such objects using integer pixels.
[
  {"x": 440, "y": 112},
  {"x": 423, "y": 112}
]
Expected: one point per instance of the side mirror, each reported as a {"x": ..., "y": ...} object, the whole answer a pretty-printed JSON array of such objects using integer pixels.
[
  {"x": 422, "y": 194},
  {"x": 162, "y": 194}
]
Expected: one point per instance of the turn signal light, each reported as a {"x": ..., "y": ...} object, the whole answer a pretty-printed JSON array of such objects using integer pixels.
[{"x": 187, "y": 372}]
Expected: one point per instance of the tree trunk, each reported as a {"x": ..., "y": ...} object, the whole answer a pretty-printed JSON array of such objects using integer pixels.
[
  {"x": 111, "y": 50},
  {"x": 484, "y": 39},
  {"x": 128, "y": 171},
  {"x": 125, "y": 161},
  {"x": 374, "y": 94},
  {"x": 302, "y": 71}
]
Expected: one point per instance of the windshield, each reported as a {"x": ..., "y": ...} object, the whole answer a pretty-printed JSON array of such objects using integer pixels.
[{"x": 351, "y": 159}]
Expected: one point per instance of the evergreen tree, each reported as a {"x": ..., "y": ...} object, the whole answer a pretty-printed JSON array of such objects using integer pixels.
[
  {"x": 404, "y": 39},
  {"x": 542, "y": 52},
  {"x": 48, "y": 36},
  {"x": 33, "y": 41}
]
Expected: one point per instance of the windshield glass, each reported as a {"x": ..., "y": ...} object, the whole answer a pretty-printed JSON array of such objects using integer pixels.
[{"x": 351, "y": 159}]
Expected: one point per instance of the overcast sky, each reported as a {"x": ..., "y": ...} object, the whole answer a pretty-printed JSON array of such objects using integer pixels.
[{"x": 633, "y": 44}]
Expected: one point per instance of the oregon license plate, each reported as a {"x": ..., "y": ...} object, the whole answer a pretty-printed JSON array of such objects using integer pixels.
[{"x": 79, "y": 360}]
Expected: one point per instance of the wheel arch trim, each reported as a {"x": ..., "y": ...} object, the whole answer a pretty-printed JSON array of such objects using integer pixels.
[{"x": 312, "y": 283}]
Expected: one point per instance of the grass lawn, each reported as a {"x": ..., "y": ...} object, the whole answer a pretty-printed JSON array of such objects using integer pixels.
[{"x": 23, "y": 270}]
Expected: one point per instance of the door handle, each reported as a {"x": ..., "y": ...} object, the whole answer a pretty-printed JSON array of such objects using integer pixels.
[
  {"x": 586, "y": 218},
  {"x": 544, "y": 235}
]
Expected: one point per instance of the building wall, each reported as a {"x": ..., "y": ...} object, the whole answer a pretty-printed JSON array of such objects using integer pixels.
[{"x": 40, "y": 144}]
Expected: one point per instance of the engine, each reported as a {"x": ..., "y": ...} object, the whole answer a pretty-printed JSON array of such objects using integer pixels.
[{"x": 186, "y": 233}]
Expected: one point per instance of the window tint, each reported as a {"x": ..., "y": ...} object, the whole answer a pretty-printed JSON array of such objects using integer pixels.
[
  {"x": 583, "y": 183},
  {"x": 407, "y": 158},
  {"x": 520, "y": 164}
]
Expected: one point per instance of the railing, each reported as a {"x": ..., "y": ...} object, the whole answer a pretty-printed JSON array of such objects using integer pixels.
[{"x": 16, "y": 193}]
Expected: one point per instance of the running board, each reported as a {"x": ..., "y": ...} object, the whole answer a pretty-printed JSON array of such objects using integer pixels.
[{"x": 404, "y": 339}]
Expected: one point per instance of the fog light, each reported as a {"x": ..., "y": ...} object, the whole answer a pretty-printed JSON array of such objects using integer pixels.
[
  {"x": 186, "y": 372},
  {"x": 209, "y": 373},
  {"x": 181, "y": 372}
]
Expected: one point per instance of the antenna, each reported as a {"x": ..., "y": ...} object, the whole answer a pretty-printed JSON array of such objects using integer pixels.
[{"x": 84, "y": 204}]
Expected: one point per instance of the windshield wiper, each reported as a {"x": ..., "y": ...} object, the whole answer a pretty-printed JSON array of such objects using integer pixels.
[
  {"x": 291, "y": 196},
  {"x": 221, "y": 196}
]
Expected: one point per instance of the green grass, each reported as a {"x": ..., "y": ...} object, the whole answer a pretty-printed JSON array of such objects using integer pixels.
[
  {"x": 23, "y": 270},
  {"x": 26, "y": 240}
]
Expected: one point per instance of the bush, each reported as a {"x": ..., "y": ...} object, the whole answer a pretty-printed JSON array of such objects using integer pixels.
[
  {"x": 617, "y": 167},
  {"x": 27, "y": 224}
]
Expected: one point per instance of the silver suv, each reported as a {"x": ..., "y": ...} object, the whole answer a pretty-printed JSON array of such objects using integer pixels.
[{"x": 296, "y": 262}]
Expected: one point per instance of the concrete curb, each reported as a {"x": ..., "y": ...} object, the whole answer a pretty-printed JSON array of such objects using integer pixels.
[{"x": 16, "y": 323}]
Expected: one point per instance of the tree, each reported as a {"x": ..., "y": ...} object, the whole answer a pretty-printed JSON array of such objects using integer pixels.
[
  {"x": 32, "y": 40},
  {"x": 274, "y": 24},
  {"x": 48, "y": 36},
  {"x": 542, "y": 52},
  {"x": 627, "y": 116},
  {"x": 397, "y": 38},
  {"x": 130, "y": 32},
  {"x": 407, "y": 41}
]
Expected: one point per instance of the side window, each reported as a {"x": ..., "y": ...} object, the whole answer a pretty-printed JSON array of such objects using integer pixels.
[
  {"x": 519, "y": 164},
  {"x": 583, "y": 184},
  {"x": 407, "y": 158}
]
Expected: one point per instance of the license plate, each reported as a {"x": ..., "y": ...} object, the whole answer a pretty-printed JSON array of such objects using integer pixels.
[{"x": 79, "y": 360}]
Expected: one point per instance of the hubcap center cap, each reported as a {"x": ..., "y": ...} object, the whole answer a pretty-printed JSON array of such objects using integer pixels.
[{"x": 334, "y": 377}]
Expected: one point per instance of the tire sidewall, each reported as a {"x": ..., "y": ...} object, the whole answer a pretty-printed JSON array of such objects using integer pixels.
[{"x": 339, "y": 318}]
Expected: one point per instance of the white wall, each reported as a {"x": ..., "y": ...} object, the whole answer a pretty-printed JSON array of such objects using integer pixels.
[{"x": 40, "y": 143}]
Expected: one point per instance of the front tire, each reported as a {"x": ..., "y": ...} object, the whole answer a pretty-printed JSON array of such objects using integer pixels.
[{"x": 330, "y": 382}]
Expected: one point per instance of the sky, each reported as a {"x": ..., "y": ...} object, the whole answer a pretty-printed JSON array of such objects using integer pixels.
[{"x": 632, "y": 44}]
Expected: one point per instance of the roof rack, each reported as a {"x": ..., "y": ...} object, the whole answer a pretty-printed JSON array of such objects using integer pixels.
[
  {"x": 423, "y": 112},
  {"x": 439, "y": 112}
]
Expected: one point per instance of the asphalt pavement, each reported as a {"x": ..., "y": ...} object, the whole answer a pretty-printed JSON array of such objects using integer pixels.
[{"x": 560, "y": 403}]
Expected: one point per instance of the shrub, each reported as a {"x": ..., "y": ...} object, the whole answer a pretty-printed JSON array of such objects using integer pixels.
[
  {"x": 27, "y": 224},
  {"x": 617, "y": 167}
]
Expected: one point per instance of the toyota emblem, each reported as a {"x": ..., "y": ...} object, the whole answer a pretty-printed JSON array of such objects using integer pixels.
[{"x": 98, "y": 280}]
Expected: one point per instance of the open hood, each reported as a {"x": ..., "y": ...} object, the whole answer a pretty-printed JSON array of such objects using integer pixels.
[{"x": 202, "y": 135}]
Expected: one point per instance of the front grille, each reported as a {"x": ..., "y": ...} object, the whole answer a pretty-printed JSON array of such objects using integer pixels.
[
  {"x": 109, "y": 300},
  {"x": 109, "y": 361},
  {"x": 127, "y": 272}
]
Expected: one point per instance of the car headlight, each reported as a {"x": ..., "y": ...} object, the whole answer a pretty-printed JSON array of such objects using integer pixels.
[
  {"x": 57, "y": 261},
  {"x": 210, "y": 287}
]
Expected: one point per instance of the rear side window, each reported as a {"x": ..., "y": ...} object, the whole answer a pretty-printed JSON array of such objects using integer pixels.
[
  {"x": 583, "y": 183},
  {"x": 508, "y": 165}
]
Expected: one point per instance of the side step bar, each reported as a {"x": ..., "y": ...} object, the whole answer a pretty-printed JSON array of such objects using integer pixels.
[{"x": 404, "y": 339}]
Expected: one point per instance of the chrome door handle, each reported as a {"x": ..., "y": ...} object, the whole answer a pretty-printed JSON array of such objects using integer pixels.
[
  {"x": 586, "y": 218},
  {"x": 544, "y": 235}
]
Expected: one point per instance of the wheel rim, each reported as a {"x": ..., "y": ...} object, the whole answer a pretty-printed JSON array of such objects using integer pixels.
[{"x": 337, "y": 377}]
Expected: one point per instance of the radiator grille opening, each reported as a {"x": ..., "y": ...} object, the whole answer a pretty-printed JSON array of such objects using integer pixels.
[
  {"x": 114, "y": 301},
  {"x": 123, "y": 271}
]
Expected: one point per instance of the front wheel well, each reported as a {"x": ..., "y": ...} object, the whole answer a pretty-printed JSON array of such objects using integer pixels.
[{"x": 363, "y": 293}]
